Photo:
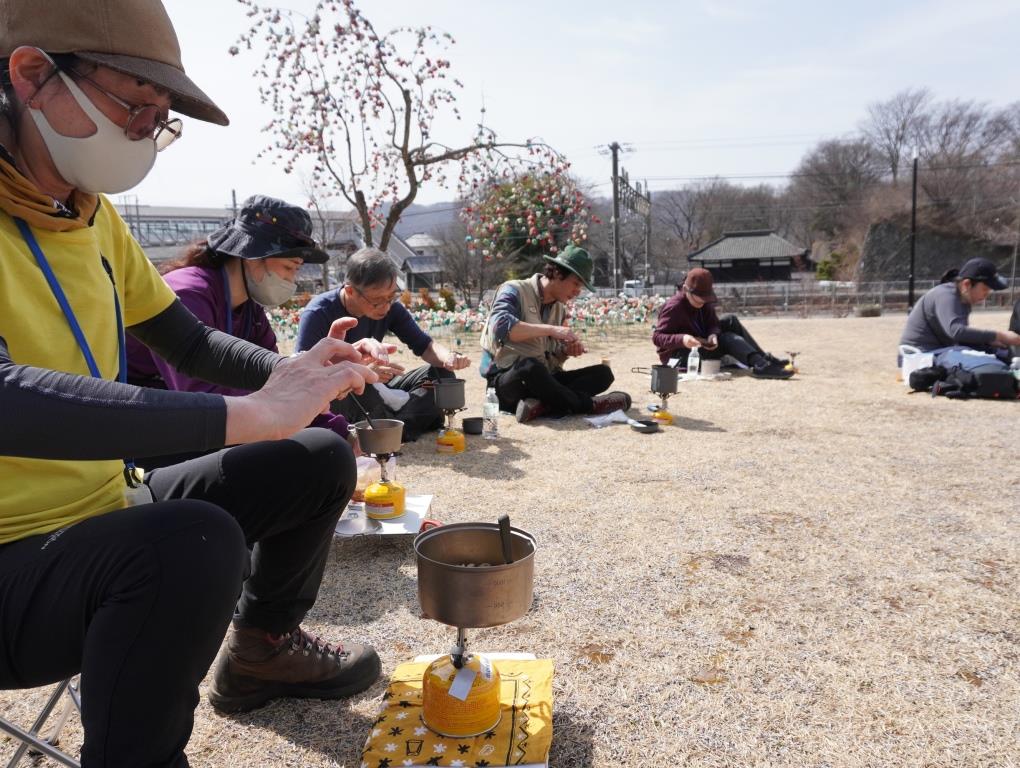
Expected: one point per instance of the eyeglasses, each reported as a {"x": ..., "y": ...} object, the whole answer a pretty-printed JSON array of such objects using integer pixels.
[
  {"x": 145, "y": 121},
  {"x": 376, "y": 304}
]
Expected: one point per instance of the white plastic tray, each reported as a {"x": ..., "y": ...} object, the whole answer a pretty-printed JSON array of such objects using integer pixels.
[{"x": 416, "y": 509}]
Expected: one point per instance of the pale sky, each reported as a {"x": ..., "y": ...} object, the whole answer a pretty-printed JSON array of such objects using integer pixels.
[{"x": 696, "y": 87}]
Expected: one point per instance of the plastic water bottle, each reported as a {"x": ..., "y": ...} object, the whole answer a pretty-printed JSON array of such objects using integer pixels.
[
  {"x": 490, "y": 415},
  {"x": 693, "y": 363}
]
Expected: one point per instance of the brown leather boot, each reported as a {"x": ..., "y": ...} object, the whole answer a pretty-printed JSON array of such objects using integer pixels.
[
  {"x": 609, "y": 402},
  {"x": 529, "y": 409},
  {"x": 255, "y": 667}
]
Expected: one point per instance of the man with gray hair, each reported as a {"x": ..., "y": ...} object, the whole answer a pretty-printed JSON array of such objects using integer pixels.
[{"x": 370, "y": 294}]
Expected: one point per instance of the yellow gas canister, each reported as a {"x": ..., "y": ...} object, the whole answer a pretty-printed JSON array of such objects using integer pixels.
[
  {"x": 663, "y": 417},
  {"x": 450, "y": 441},
  {"x": 384, "y": 500},
  {"x": 461, "y": 702}
]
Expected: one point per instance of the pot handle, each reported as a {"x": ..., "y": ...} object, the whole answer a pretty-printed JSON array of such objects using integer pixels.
[
  {"x": 428, "y": 524},
  {"x": 639, "y": 369}
]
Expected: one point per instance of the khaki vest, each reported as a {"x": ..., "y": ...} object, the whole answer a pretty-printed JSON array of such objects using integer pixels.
[{"x": 543, "y": 348}]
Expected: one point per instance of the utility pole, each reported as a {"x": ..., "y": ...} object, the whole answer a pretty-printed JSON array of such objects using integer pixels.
[
  {"x": 615, "y": 149},
  {"x": 233, "y": 198},
  {"x": 913, "y": 236},
  {"x": 648, "y": 233},
  {"x": 1016, "y": 246}
]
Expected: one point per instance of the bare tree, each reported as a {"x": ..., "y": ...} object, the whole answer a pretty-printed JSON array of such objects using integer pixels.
[
  {"x": 833, "y": 178},
  {"x": 958, "y": 141},
  {"x": 469, "y": 273},
  {"x": 361, "y": 108},
  {"x": 892, "y": 126}
]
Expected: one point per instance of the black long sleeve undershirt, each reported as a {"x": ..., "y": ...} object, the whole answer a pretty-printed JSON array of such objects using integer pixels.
[{"x": 52, "y": 415}]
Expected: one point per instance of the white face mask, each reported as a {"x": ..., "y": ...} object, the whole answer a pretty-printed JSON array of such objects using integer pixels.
[
  {"x": 271, "y": 291},
  {"x": 107, "y": 161}
]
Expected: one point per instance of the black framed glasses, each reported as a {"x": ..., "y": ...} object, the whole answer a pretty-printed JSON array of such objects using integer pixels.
[
  {"x": 377, "y": 304},
  {"x": 145, "y": 121}
]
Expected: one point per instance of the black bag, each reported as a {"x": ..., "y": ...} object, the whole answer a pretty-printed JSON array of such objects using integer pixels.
[{"x": 963, "y": 384}]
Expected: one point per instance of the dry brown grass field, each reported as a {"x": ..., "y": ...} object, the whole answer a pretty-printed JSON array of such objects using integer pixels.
[{"x": 819, "y": 572}]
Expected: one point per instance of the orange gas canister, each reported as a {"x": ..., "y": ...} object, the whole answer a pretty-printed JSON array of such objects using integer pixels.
[{"x": 461, "y": 702}]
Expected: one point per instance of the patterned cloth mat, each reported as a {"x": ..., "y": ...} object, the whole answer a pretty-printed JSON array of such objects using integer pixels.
[{"x": 522, "y": 737}]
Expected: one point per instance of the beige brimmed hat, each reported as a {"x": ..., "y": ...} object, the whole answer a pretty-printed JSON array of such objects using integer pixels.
[{"x": 131, "y": 36}]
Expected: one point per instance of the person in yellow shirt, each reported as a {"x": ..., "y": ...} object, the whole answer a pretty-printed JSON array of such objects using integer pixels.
[{"x": 137, "y": 598}]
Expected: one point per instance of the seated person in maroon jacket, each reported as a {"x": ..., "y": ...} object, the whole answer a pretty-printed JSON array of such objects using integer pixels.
[{"x": 688, "y": 320}]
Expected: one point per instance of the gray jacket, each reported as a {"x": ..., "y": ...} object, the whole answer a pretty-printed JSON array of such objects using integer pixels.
[{"x": 939, "y": 320}]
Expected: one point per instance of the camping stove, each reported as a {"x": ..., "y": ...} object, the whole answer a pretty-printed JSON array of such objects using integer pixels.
[
  {"x": 664, "y": 384},
  {"x": 470, "y": 575},
  {"x": 382, "y": 439},
  {"x": 449, "y": 394}
]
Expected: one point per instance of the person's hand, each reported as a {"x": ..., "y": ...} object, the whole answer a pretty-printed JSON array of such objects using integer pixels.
[
  {"x": 574, "y": 349},
  {"x": 299, "y": 389},
  {"x": 1008, "y": 338},
  {"x": 371, "y": 350},
  {"x": 711, "y": 342},
  {"x": 455, "y": 361},
  {"x": 386, "y": 371},
  {"x": 691, "y": 342},
  {"x": 562, "y": 333}
]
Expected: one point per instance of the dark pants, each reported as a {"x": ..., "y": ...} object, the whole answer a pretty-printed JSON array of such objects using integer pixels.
[
  {"x": 1014, "y": 325},
  {"x": 138, "y": 600},
  {"x": 419, "y": 414},
  {"x": 562, "y": 393},
  {"x": 734, "y": 340}
]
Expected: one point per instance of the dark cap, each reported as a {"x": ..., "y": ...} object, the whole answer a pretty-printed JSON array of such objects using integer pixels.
[
  {"x": 135, "y": 37},
  {"x": 576, "y": 260},
  {"x": 268, "y": 228},
  {"x": 699, "y": 282},
  {"x": 983, "y": 271}
]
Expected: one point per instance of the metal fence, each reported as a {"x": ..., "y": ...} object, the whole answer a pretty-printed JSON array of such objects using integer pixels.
[{"x": 839, "y": 299}]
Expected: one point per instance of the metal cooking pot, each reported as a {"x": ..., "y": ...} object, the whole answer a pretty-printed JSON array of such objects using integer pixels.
[
  {"x": 449, "y": 394},
  {"x": 482, "y": 596},
  {"x": 664, "y": 380},
  {"x": 382, "y": 436}
]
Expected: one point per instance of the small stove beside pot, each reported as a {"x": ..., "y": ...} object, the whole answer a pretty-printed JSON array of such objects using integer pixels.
[
  {"x": 449, "y": 394},
  {"x": 470, "y": 575},
  {"x": 382, "y": 439},
  {"x": 664, "y": 384}
]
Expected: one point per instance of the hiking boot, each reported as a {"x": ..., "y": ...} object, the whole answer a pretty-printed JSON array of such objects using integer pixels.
[
  {"x": 771, "y": 370},
  {"x": 255, "y": 667},
  {"x": 529, "y": 409},
  {"x": 780, "y": 361},
  {"x": 609, "y": 402}
]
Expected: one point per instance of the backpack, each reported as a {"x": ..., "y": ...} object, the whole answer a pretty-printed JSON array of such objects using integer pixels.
[{"x": 959, "y": 383}]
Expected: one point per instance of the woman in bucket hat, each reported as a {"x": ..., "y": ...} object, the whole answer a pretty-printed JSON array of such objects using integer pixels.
[
  {"x": 227, "y": 281},
  {"x": 137, "y": 600},
  {"x": 526, "y": 341}
]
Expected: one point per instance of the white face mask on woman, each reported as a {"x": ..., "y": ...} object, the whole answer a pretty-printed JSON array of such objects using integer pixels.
[
  {"x": 271, "y": 291},
  {"x": 107, "y": 161}
]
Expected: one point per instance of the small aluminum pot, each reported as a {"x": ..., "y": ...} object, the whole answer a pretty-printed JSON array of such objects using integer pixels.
[
  {"x": 664, "y": 380},
  {"x": 383, "y": 436},
  {"x": 479, "y": 595},
  {"x": 449, "y": 394}
]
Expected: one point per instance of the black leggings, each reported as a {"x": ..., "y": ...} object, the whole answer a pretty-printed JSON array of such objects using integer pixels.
[
  {"x": 734, "y": 340},
  {"x": 563, "y": 392},
  {"x": 138, "y": 599}
]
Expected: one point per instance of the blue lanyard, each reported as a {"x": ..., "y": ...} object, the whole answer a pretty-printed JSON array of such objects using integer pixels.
[
  {"x": 130, "y": 471},
  {"x": 230, "y": 308}
]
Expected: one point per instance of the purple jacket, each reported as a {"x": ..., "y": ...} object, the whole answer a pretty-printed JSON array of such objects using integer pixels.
[
  {"x": 678, "y": 317},
  {"x": 205, "y": 292}
]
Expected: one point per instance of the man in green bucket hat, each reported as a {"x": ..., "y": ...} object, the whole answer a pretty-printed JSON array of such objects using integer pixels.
[{"x": 526, "y": 341}]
